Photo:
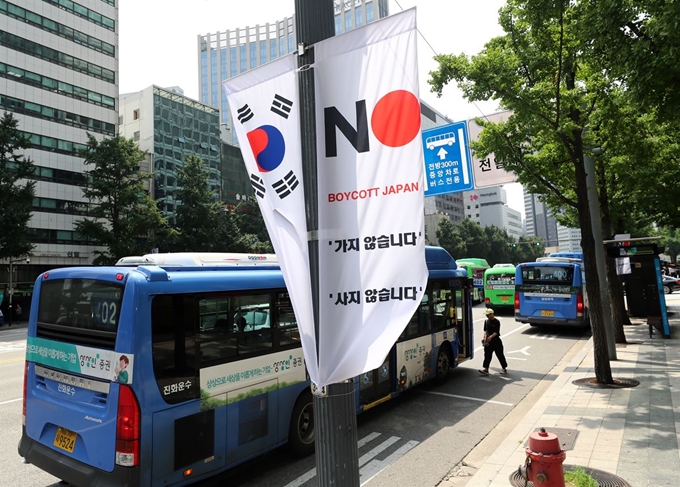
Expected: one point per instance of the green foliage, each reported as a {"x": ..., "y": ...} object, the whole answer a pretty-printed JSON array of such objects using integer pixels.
[
  {"x": 540, "y": 70},
  {"x": 125, "y": 219},
  {"x": 579, "y": 478},
  {"x": 637, "y": 42},
  {"x": 201, "y": 225},
  {"x": 252, "y": 232},
  {"x": 16, "y": 194},
  {"x": 670, "y": 238},
  {"x": 469, "y": 239}
]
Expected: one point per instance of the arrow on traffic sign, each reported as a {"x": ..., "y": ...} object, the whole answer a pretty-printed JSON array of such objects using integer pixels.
[{"x": 442, "y": 153}]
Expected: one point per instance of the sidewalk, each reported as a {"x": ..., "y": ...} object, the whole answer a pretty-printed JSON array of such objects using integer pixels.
[{"x": 631, "y": 433}]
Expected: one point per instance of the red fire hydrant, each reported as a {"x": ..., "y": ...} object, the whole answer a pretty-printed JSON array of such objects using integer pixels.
[{"x": 545, "y": 456}]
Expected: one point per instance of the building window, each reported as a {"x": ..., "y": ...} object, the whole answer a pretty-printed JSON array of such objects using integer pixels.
[
  {"x": 136, "y": 136},
  {"x": 135, "y": 114},
  {"x": 348, "y": 20}
]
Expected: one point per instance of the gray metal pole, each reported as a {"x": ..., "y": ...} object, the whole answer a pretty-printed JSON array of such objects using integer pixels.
[
  {"x": 337, "y": 459},
  {"x": 11, "y": 292},
  {"x": 596, "y": 222}
]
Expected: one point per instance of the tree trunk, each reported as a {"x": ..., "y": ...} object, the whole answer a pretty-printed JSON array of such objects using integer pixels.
[{"x": 603, "y": 371}]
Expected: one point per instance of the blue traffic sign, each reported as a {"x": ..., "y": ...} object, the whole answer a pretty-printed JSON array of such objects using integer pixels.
[{"x": 448, "y": 167}]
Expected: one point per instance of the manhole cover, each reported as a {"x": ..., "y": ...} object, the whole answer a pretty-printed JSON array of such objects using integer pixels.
[
  {"x": 618, "y": 383},
  {"x": 567, "y": 437},
  {"x": 603, "y": 479}
]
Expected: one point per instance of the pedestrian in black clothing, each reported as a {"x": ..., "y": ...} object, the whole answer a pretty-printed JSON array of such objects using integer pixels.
[{"x": 492, "y": 342}]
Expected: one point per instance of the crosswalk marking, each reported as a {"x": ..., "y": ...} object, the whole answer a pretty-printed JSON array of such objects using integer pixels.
[
  {"x": 373, "y": 466},
  {"x": 377, "y": 466}
]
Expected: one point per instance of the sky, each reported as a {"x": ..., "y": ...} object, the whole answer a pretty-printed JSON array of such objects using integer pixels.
[{"x": 158, "y": 43}]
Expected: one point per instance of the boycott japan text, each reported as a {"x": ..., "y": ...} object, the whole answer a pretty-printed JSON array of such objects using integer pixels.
[{"x": 372, "y": 192}]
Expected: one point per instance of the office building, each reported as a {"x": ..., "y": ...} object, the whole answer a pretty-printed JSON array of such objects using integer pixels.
[
  {"x": 569, "y": 239},
  {"x": 489, "y": 207},
  {"x": 539, "y": 222},
  {"x": 59, "y": 78},
  {"x": 170, "y": 127},
  {"x": 223, "y": 55}
]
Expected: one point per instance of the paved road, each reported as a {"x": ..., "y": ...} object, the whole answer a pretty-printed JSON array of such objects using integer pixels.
[{"x": 416, "y": 439}]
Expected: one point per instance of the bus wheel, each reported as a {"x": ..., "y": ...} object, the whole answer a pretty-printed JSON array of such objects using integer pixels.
[
  {"x": 301, "y": 431},
  {"x": 443, "y": 362}
]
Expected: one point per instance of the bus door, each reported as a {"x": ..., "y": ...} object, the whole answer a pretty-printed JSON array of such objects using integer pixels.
[
  {"x": 377, "y": 384},
  {"x": 185, "y": 435},
  {"x": 461, "y": 319}
]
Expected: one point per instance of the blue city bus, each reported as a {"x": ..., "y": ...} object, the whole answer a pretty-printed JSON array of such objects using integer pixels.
[
  {"x": 171, "y": 368},
  {"x": 551, "y": 291}
]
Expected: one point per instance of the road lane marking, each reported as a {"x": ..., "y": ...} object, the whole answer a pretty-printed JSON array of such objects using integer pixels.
[
  {"x": 10, "y": 360},
  {"x": 525, "y": 325},
  {"x": 468, "y": 398},
  {"x": 312, "y": 473},
  {"x": 523, "y": 351},
  {"x": 10, "y": 401}
]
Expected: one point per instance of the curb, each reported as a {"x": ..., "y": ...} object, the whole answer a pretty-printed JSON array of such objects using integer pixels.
[{"x": 465, "y": 471}]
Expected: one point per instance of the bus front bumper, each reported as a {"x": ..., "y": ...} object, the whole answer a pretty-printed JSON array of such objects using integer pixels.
[{"x": 73, "y": 471}]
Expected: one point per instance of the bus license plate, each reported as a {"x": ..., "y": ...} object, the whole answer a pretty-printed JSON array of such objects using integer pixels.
[
  {"x": 65, "y": 439},
  {"x": 505, "y": 299},
  {"x": 547, "y": 312}
]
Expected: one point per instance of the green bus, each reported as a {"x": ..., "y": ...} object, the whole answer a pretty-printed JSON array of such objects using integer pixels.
[
  {"x": 499, "y": 286},
  {"x": 475, "y": 269}
]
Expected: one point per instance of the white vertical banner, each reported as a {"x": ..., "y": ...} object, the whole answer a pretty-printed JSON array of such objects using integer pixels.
[
  {"x": 264, "y": 104},
  {"x": 372, "y": 268}
]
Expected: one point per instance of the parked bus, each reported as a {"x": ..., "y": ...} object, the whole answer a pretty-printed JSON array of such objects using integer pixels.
[
  {"x": 551, "y": 291},
  {"x": 475, "y": 269},
  {"x": 499, "y": 286},
  {"x": 172, "y": 368}
]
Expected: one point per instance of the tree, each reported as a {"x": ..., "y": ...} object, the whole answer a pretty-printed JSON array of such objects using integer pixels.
[
  {"x": 252, "y": 232},
  {"x": 539, "y": 71},
  {"x": 637, "y": 41},
  {"x": 450, "y": 240},
  {"x": 670, "y": 238},
  {"x": 125, "y": 219},
  {"x": 202, "y": 225},
  {"x": 16, "y": 194}
]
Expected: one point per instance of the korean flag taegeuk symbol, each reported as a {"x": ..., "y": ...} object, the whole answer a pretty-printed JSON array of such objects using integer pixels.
[{"x": 268, "y": 146}]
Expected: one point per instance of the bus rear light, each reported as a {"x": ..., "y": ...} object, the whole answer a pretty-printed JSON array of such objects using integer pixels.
[
  {"x": 579, "y": 305},
  {"x": 516, "y": 302},
  {"x": 487, "y": 300},
  {"x": 127, "y": 428},
  {"x": 23, "y": 409}
]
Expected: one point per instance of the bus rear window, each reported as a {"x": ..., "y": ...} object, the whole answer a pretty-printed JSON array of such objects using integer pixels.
[
  {"x": 499, "y": 279},
  {"x": 548, "y": 274},
  {"x": 83, "y": 304}
]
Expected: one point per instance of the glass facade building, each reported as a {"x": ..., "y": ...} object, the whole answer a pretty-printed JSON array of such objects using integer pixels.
[
  {"x": 59, "y": 78},
  {"x": 223, "y": 55},
  {"x": 170, "y": 127}
]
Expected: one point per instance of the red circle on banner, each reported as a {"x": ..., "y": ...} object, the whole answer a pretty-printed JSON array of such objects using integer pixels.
[{"x": 396, "y": 118}]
